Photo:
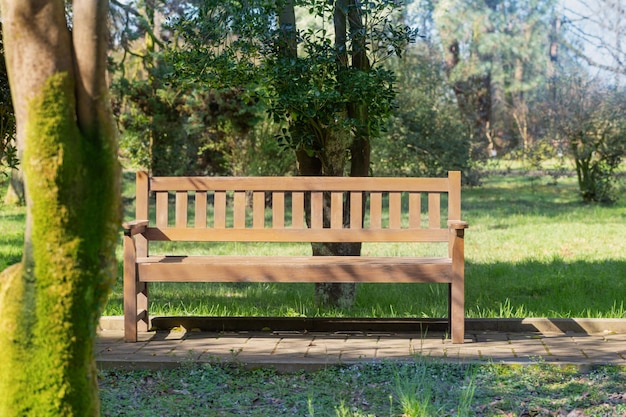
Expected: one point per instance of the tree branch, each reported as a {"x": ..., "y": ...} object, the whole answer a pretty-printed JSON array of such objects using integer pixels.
[{"x": 90, "y": 38}]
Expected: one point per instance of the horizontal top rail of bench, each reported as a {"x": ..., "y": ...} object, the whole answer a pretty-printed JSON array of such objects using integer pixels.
[{"x": 367, "y": 184}]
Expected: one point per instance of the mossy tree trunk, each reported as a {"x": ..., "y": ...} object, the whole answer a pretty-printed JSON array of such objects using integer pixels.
[{"x": 51, "y": 302}]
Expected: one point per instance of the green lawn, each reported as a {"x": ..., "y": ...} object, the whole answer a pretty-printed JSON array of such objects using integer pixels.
[
  {"x": 532, "y": 250},
  {"x": 423, "y": 388}
]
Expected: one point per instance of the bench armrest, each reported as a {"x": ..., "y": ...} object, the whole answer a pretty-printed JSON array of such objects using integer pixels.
[
  {"x": 457, "y": 224},
  {"x": 134, "y": 227}
]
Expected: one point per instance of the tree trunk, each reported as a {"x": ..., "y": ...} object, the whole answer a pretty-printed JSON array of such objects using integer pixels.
[
  {"x": 348, "y": 25},
  {"x": 50, "y": 303}
]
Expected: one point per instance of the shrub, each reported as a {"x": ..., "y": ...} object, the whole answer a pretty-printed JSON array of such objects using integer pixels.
[{"x": 427, "y": 135}]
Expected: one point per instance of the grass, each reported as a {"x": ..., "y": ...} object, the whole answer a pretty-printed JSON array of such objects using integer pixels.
[
  {"x": 423, "y": 388},
  {"x": 532, "y": 250}
]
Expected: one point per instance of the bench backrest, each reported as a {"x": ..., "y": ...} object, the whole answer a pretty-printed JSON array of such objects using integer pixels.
[{"x": 365, "y": 209}]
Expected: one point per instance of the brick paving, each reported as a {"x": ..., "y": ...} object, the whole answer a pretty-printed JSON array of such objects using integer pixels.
[{"x": 291, "y": 351}]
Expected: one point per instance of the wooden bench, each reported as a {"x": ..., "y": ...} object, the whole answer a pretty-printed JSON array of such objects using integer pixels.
[{"x": 234, "y": 209}]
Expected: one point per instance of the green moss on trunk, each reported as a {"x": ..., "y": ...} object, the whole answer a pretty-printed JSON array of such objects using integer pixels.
[{"x": 52, "y": 304}]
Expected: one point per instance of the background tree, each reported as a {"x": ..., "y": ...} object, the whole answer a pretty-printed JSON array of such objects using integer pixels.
[
  {"x": 496, "y": 53},
  {"x": 50, "y": 303},
  {"x": 595, "y": 32},
  {"x": 8, "y": 149},
  {"x": 333, "y": 121},
  {"x": 322, "y": 84},
  {"x": 171, "y": 124}
]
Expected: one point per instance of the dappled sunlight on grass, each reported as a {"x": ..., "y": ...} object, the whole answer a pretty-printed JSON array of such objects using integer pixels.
[{"x": 380, "y": 388}]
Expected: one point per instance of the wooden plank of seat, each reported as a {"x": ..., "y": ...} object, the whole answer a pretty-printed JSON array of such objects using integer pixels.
[
  {"x": 258, "y": 210},
  {"x": 219, "y": 210},
  {"x": 336, "y": 210},
  {"x": 295, "y": 269},
  {"x": 162, "y": 215}
]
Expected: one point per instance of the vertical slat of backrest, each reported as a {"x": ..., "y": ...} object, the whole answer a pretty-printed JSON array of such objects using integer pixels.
[
  {"x": 356, "y": 210},
  {"x": 317, "y": 210},
  {"x": 181, "y": 209},
  {"x": 454, "y": 195},
  {"x": 142, "y": 193},
  {"x": 434, "y": 210},
  {"x": 376, "y": 210},
  {"x": 162, "y": 208},
  {"x": 278, "y": 210},
  {"x": 200, "y": 210},
  {"x": 415, "y": 210},
  {"x": 297, "y": 210},
  {"x": 336, "y": 210},
  {"x": 239, "y": 210},
  {"x": 258, "y": 209},
  {"x": 395, "y": 210},
  {"x": 219, "y": 210}
]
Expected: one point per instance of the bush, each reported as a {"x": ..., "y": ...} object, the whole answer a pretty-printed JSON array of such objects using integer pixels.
[
  {"x": 427, "y": 135},
  {"x": 590, "y": 118}
]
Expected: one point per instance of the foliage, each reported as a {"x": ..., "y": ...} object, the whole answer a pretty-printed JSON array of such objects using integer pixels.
[
  {"x": 328, "y": 98},
  {"x": 306, "y": 94},
  {"x": 589, "y": 119},
  {"x": 8, "y": 151},
  {"x": 184, "y": 132},
  {"x": 170, "y": 123},
  {"x": 311, "y": 92},
  {"x": 426, "y": 136}
]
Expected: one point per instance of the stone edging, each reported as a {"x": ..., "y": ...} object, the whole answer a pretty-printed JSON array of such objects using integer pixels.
[{"x": 525, "y": 325}]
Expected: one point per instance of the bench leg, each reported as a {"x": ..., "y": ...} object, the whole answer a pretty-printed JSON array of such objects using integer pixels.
[
  {"x": 457, "y": 312},
  {"x": 450, "y": 309},
  {"x": 457, "y": 287},
  {"x": 130, "y": 290},
  {"x": 135, "y": 295}
]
